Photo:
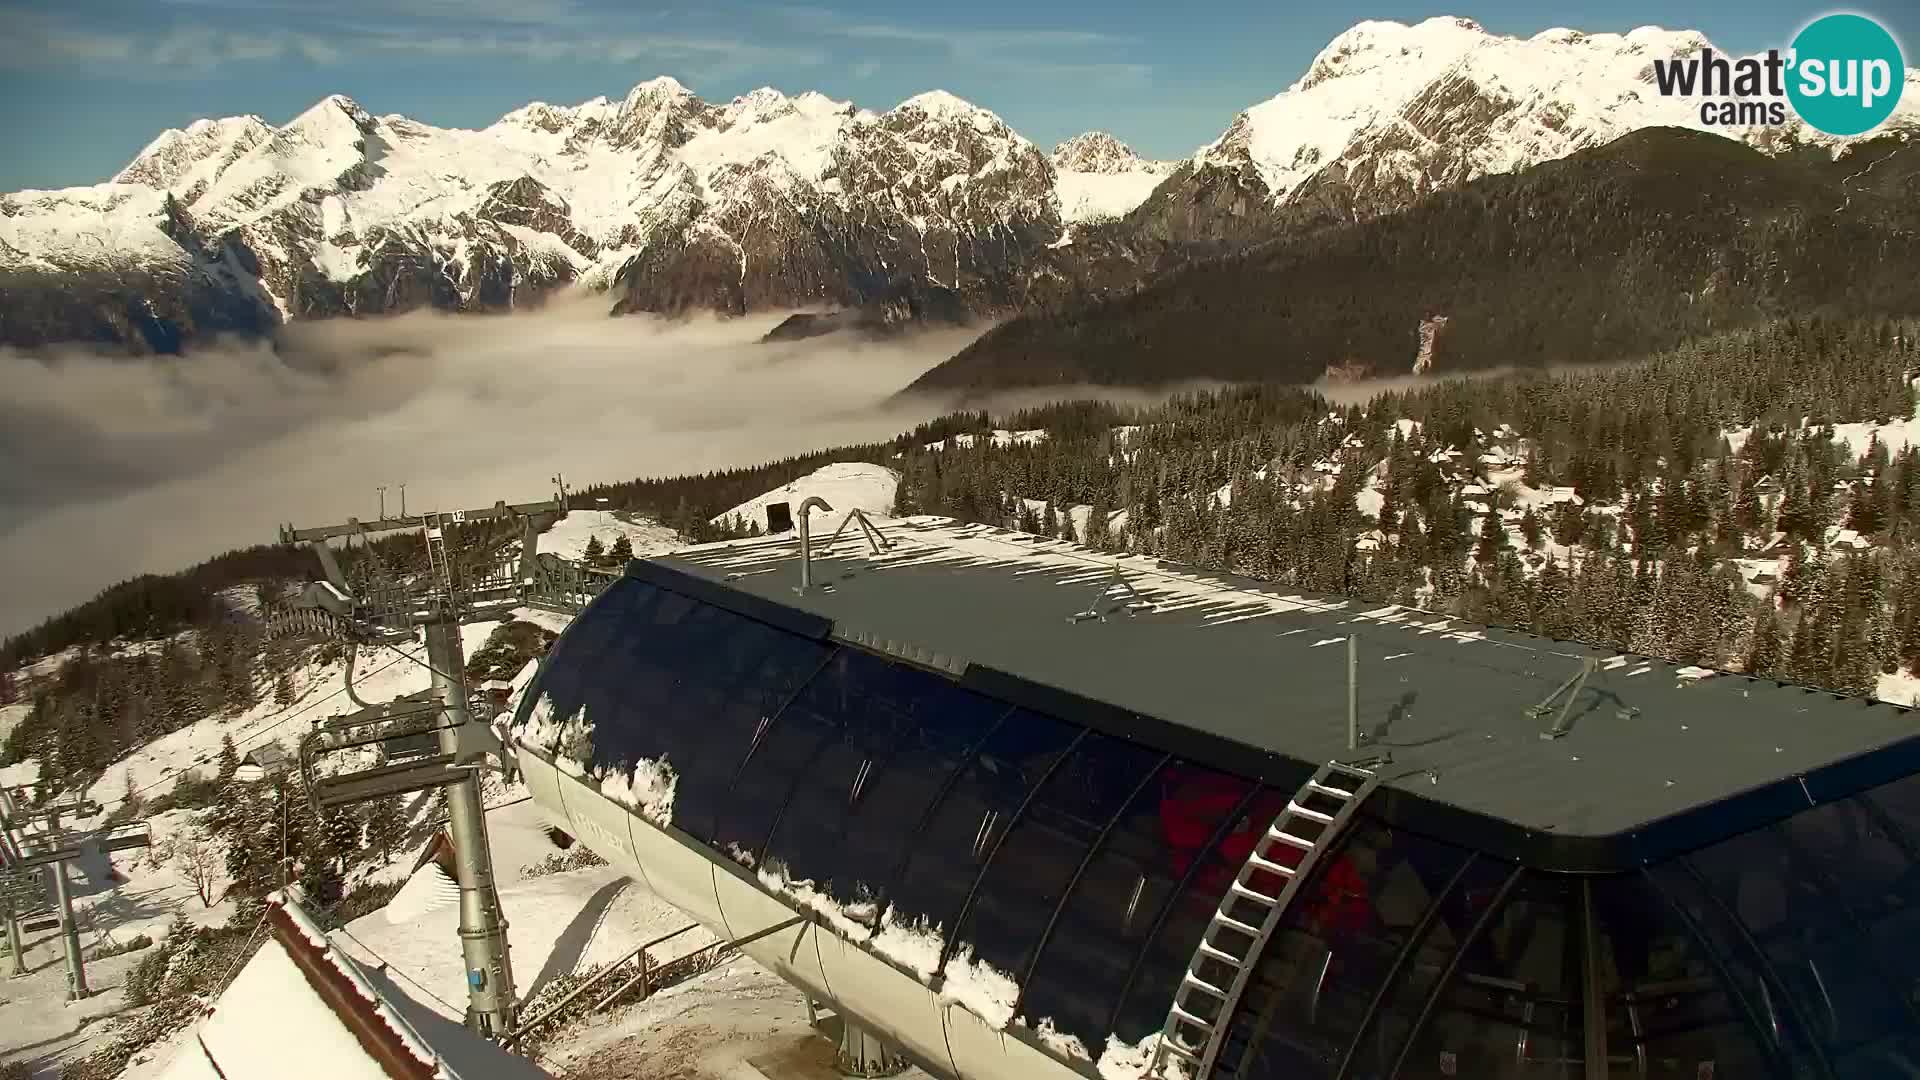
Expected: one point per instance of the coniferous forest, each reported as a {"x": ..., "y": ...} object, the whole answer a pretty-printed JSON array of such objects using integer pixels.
[
  {"x": 1658, "y": 238},
  {"x": 1618, "y": 505}
]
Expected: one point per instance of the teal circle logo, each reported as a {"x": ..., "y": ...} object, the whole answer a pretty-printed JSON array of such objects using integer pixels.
[{"x": 1847, "y": 74}]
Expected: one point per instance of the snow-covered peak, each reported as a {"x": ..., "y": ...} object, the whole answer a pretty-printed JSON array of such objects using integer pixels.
[
  {"x": 1408, "y": 108},
  {"x": 767, "y": 104},
  {"x": 331, "y": 116},
  {"x": 658, "y": 88},
  {"x": 205, "y": 146},
  {"x": 940, "y": 103},
  {"x": 1099, "y": 177},
  {"x": 1380, "y": 43},
  {"x": 1099, "y": 152}
]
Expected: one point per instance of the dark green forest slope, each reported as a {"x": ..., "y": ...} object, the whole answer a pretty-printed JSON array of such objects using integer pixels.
[{"x": 1655, "y": 239}]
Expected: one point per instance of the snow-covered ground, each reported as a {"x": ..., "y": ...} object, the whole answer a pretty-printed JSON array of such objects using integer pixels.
[
  {"x": 569, "y": 536},
  {"x": 846, "y": 486}
]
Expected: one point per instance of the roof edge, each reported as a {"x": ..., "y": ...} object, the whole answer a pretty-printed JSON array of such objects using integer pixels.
[
  {"x": 344, "y": 999},
  {"x": 1535, "y": 847},
  {"x": 783, "y": 616}
]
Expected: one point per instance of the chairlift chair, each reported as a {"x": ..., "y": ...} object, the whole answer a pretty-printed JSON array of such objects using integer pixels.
[{"x": 415, "y": 762}]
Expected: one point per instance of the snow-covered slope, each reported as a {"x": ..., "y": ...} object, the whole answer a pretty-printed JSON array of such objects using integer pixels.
[
  {"x": 1099, "y": 177},
  {"x": 1388, "y": 111},
  {"x": 848, "y": 485},
  {"x": 568, "y": 538}
]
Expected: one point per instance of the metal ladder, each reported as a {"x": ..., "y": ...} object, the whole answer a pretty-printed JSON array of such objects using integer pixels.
[{"x": 1204, "y": 1003}]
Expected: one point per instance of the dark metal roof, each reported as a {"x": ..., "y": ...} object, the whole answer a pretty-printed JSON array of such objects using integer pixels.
[{"x": 1258, "y": 674}]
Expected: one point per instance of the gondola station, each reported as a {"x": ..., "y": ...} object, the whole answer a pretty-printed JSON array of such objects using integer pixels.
[{"x": 1047, "y": 813}]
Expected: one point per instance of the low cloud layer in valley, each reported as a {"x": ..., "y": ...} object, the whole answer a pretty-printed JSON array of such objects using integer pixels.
[{"x": 111, "y": 467}]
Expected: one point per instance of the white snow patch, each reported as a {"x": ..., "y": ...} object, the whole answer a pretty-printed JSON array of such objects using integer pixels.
[
  {"x": 569, "y": 536},
  {"x": 1130, "y": 1061},
  {"x": 1900, "y": 688},
  {"x": 1087, "y": 196},
  {"x": 846, "y": 486},
  {"x": 647, "y": 788}
]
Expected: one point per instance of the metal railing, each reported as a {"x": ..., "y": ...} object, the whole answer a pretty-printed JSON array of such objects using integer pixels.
[{"x": 646, "y": 975}]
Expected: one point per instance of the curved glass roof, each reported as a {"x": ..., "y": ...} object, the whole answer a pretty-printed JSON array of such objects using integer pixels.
[{"x": 1058, "y": 876}]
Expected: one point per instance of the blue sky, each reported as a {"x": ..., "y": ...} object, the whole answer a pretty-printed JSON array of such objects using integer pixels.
[{"x": 87, "y": 83}]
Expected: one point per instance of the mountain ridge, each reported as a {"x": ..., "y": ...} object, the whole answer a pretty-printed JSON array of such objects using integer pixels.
[
  {"x": 1693, "y": 234},
  {"x": 667, "y": 202}
]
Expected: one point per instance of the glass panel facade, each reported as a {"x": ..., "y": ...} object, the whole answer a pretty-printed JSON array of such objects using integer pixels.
[
  {"x": 1377, "y": 1045},
  {"x": 1029, "y": 875},
  {"x": 1104, "y": 921},
  {"x": 1814, "y": 944},
  {"x": 1789, "y": 951},
  {"x": 1668, "y": 1012},
  {"x": 966, "y": 826},
  {"x": 662, "y": 677},
  {"x": 856, "y": 803},
  {"x": 1194, "y": 806},
  {"x": 1513, "y": 1007},
  {"x": 1336, "y": 945}
]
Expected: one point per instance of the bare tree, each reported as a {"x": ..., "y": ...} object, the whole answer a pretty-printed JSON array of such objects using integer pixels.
[
  {"x": 160, "y": 852},
  {"x": 201, "y": 863}
]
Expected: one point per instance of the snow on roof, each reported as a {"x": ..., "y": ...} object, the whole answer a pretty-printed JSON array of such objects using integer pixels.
[
  {"x": 300, "y": 1006},
  {"x": 846, "y": 485}
]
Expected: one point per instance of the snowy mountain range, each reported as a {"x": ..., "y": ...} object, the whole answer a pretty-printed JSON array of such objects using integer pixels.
[{"x": 667, "y": 202}]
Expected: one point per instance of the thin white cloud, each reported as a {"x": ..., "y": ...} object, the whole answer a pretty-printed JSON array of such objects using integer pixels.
[
  {"x": 711, "y": 56},
  {"x": 463, "y": 12},
  {"x": 42, "y": 43},
  {"x": 47, "y": 43},
  {"x": 1079, "y": 55}
]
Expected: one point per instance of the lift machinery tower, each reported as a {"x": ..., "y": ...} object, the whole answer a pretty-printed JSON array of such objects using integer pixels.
[{"x": 390, "y": 613}]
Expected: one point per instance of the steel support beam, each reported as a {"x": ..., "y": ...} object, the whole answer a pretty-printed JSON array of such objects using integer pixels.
[
  {"x": 69, "y": 930},
  {"x": 290, "y": 535},
  {"x": 483, "y": 928}
]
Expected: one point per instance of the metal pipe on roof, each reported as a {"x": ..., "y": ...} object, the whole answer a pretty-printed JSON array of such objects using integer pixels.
[
  {"x": 806, "y": 539},
  {"x": 1353, "y": 692}
]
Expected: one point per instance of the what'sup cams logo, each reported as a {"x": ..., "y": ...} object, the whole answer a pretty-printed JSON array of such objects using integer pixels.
[{"x": 1843, "y": 75}]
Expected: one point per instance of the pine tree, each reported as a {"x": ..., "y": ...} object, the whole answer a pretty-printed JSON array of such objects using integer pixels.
[
  {"x": 1388, "y": 518},
  {"x": 1493, "y": 538},
  {"x": 1569, "y": 522},
  {"x": 595, "y": 554},
  {"x": 1098, "y": 535},
  {"x": 229, "y": 760},
  {"x": 1864, "y": 509},
  {"x": 385, "y": 828},
  {"x": 1530, "y": 528},
  {"x": 622, "y": 550},
  {"x": 1049, "y": 521},
  {"x": 283, "y": 689}
]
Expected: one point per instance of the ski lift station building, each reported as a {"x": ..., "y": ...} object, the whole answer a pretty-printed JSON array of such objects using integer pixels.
[{"x": 1050, "y": 814}]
